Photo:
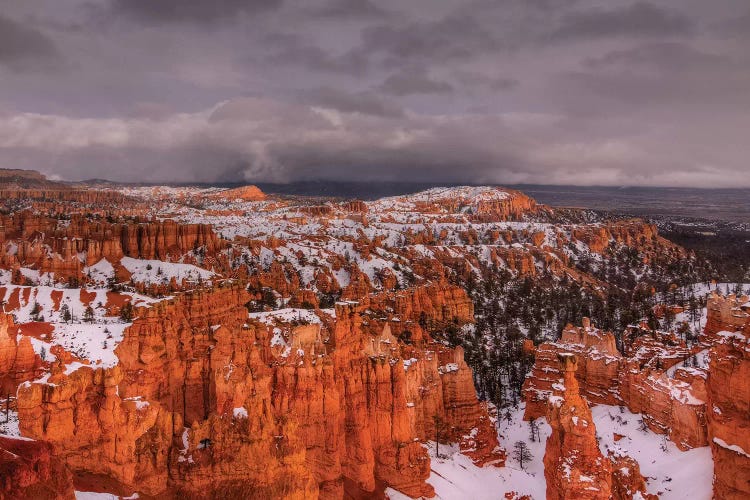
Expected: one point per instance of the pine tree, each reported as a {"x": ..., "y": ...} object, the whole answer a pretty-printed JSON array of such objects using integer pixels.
[
  {"x": 88, "y": 314},
  {"x": 65, "y": 312},
  {"x": 522, "y": 454},
  {"x": 126, "y": 313},
  {"x": 35, "y": 310}
]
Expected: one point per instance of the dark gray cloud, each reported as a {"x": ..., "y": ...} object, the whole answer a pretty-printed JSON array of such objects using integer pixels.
[
  {"x": 637, "y": 19},
  {"x": 292, "y": 50},
  {"x": 25, "y": 48},
  {"x": 456, "y": 36},
  {"x": 672, "y": 56},
  {"x": 351, "y": 9},
  {"x": 414, "y": 81},
  {"x": 490, "y": 82},
  {"x": 541, "y": 91},
  {"x": 736, "y": 26},
  {"x": 196, "y": 11}
]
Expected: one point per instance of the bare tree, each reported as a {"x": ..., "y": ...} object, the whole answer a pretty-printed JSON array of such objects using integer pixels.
[{"x": 439, "y": 431}]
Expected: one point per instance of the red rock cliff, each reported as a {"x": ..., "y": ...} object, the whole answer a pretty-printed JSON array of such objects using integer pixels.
[
  {"x": 729, "y": 400},
  {"x": 201, "y": 402},
  {"x": 573, "y": 464}
]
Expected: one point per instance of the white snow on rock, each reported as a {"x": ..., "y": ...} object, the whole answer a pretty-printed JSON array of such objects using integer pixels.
[
  {"x": 448, "y": 368},
  {"x": 95, "y": 342},
  {"x": 670, "y": 473},
  {"x": 470, "y": 196},
  {"x": 101, "y": 272},
  {"x": 10, "y": 428},
  {"x": 160, "y": 272},
  {"x": 93, "y": 495},
  {"x": 732, "y": 447},
  {"x": 287, "y": 315},
  {"x": 454, "y": 476}
]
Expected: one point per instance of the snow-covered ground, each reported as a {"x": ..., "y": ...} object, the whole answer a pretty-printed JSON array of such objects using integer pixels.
[
  {"x": 92, "y": 495},
  {"x": 454, "y": 476},
  {"x": 94, "y": 340},
  {"x": 160, "y": 272},
  {"x": 286, "y": 315},
  {"x": 9, "y": 428},
  {"x": 670, "y": 473}
]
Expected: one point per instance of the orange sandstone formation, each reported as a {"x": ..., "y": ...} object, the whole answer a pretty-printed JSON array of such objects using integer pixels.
[
  {"x": 29, "y": 469},
  {"x": 201, "y": 402},
  {"x": 244, "y": 193},
  {"x": 573, "y": 464},
  {"x": 729, "y": 397},
  {"x": 18, "y": 362},
  {"x": 673, "y": 405}
]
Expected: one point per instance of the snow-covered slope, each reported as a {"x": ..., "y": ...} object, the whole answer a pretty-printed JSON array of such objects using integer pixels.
[{"x": 672, "y": 474}]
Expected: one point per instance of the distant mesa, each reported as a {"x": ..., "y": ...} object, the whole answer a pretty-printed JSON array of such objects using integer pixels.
[
  {"x": 246, "y": 193},
  {"x": 17, "y": 173},
  {"x": 14, "y": 178}
]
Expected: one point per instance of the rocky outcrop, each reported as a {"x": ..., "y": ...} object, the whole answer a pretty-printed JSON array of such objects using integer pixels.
[
  {"x": 64, "y": 250},
  {"x": 437, "y": 302},
  {"x": 598, "y": 368},
  {"x": 726, "y": 314},
  {"x": 201, "y": 402},
  {"x": 244, "y": 193},
  {"x": 96, "y": 431},
  {"x": 29, "y": 469},
  {"x": 573, "y": 464},
  {"x": 484, "y": 203},
  {"x": 671, "y": 403},
  {"x": 64, "y": 194},
  {"x": 729, "y": 405},
  {"x": 693, "y": 406},
  {"x": 18, "y": 361}
]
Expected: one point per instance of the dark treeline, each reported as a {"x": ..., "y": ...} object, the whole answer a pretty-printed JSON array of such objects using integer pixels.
[{"x": 510, "y": 309}]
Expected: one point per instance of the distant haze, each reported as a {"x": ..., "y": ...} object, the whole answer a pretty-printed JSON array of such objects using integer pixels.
[{"x": 583, "y": 92}]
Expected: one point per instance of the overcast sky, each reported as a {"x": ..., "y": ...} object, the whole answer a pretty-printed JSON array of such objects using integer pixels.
[{"x": 587, "y": 92}]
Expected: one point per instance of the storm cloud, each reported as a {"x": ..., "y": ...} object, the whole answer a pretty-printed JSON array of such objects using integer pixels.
[
  {"x": 543, "y": 91},
  {"x": 25, "y": 48}
]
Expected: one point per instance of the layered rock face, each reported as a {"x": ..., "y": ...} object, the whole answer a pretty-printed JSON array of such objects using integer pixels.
[
  {"x": 28, "y": 469},
  {"x": 726, "y": 314},
  {"x": 729, "y": 399},
  {"x": 96, "y": 431},
  {"x": 64, "y": 194},
  {"x": 18, "y": 361},
  {"x": 45, "y": 245},
  {"x": 573, "y": 464},
  {"x": 207, "y": 399},
  {"x": 200, "y": 401},
  {"x": 672, "y": 404},
  {"x": 693, "y": 406},
  {"x": 598, "y": 368}
]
